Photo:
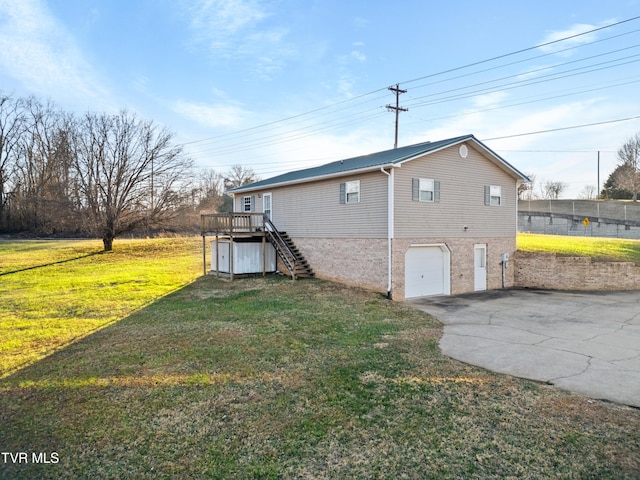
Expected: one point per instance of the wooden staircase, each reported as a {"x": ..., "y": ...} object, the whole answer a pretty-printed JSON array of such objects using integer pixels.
[{"x": 287, "y": 251}]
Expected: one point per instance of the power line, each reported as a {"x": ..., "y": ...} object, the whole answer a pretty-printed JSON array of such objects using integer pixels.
[
  {"x": 557, "y": 52},
  {"x": 562, "y": 128},
  {"x": 505, "y": 137},
  {"x": 272, "y": 139},
  {"x": 537, "y": 99},
  {"x": 256, "y": 137},
  {"x": 528, "y": 49},
  {"x": 342, "y": 102},
  {"x": 537, "y": 70},
  {"x": 292, "y": 117}
]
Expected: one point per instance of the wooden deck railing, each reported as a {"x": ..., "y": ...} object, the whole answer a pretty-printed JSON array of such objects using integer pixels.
[{"x": 230, "y": 223}]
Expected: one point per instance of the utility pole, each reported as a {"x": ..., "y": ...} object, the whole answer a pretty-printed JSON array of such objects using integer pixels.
[
  {"x": 397, "y": 108},
  {"x": 152, "y": 172},
  {"x": 598, "y": 187}
]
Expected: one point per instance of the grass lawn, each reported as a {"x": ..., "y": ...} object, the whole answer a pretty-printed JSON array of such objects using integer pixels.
[
  {"x": 54, "y": 292},
  {"x": 270, "y": 378},
  {"x": 598, "y": 248}
]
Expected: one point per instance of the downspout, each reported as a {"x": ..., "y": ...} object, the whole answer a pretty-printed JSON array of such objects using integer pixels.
[
  {"x": 518, "y": 183},
  {"x": 389, "y": 175}
]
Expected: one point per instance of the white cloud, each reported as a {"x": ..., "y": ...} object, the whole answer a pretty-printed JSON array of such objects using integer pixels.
[
  {"x": 360, "y": 22},
  {"x": 490, "y": 99},
  {"x": 210, "y": 115},
  {"x": 361, "y": 57},
  {"x": 43, "y": 56},
  {"x": 218, "y": 20},
  {"x": 234, "y": 29},
  {"x": 534, "y": 71},
  {"x": 345, "y": 84},
  {"x": 140, "y": 83},
  {"x": 574, "y": 31}
]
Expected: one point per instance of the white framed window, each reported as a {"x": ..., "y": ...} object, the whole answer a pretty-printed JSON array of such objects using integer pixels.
[
  {"x": 350, "y": 192},
  {"x": 493, "y": 195},
  {"x": 425, "y": 186},
  {"x": 247, "y": 204},
  {"x": 425, "y": 190}
]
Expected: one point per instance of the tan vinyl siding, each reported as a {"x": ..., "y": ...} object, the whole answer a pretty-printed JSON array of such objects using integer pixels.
[
  {"x": 313, "y": 209},
  {"x": 462, "y": 201}
]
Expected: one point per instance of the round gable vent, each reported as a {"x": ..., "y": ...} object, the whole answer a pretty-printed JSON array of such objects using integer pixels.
[{"x": 463, "y": 151}]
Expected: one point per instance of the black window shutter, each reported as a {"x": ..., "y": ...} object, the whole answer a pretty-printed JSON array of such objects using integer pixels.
[
  {"x": 487, "y": 195},
  {"x": 436, "y": 190},
  {"x": 415, "y": 189},
  {"x": 343, "y": 193}
]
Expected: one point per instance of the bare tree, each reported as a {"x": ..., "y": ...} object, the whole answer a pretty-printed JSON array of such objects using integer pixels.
[
  {"x": 589, "y": 192},
  {"x": 42, "y": 175},
  {"x": 526, "y": 190},
  {"x": 627, "y": 175},
  {"x": 128, "y": 172},
  {"x": 238, "y": 176},
  {"x": 12, "y": 126},
  {"x": 552, "y": 189},
  {"x": 210, "y": 191}
]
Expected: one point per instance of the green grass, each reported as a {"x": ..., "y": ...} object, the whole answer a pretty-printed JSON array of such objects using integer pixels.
[
  {"x": 54, "y": 292},
  {"x": 270, "y": 378},
  {"x": 598, "y": 248}
]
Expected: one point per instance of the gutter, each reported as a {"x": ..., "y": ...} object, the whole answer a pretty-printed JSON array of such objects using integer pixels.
[{"x": 344, "y": 173}]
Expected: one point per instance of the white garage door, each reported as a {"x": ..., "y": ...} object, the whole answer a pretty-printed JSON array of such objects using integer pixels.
[{"x": 426, "y": 271}]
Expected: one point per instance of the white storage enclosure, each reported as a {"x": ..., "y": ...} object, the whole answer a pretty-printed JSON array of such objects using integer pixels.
[{"x": 246, "y": 256}]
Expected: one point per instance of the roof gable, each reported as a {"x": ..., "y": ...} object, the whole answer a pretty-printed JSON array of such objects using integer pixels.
[{"x": 374, "y": 161}]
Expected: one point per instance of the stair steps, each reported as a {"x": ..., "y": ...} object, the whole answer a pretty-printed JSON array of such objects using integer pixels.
[{"x": 290, "y": 255}]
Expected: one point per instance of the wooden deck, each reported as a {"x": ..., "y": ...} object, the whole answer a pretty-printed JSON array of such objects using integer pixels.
[{"x": 233, "y": 224}]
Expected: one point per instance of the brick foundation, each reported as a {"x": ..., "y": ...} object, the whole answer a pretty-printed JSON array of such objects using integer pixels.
[{"x": 363, "y": 262}]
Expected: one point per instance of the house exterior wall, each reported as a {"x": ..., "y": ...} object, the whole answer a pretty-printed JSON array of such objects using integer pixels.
[
  {"x": 462, "y": 197},
  {"x": 313, "y": 210},
  {"x": 348, "y": 243}
]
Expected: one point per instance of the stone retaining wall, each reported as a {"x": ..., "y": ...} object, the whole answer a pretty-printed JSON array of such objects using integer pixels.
[{"x": 551, "y": 272}]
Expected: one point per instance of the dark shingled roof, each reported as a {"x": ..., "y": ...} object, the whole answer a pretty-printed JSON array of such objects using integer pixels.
[{"x": 365, "y": 162}]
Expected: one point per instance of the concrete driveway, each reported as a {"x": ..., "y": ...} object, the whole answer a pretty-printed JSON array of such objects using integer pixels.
[{"x": 585, "y": 342}]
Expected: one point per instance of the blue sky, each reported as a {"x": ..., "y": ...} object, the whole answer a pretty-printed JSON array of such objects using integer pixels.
[{"x": 278, "y": 85}]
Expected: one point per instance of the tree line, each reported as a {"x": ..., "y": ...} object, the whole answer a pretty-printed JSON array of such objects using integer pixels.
[
  {"x": 104, "y": 175},
  {"x": 623, "y": 183},
  {"x": 99, "y": 174}
]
